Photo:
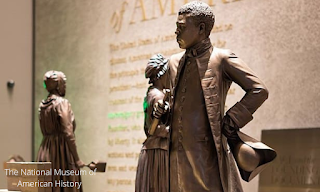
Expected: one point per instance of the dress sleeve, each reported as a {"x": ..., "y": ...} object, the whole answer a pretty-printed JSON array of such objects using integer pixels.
[
  {"x": 153, "y": 96},
  {"x": 67, "y": 122},
  {"x": 256, "y": 92}
]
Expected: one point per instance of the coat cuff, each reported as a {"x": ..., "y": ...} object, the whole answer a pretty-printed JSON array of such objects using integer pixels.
[{"x": 240, "y": 115}]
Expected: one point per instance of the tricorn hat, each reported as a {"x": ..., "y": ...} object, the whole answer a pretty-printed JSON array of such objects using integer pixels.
[{"x": 251, "y": 156}]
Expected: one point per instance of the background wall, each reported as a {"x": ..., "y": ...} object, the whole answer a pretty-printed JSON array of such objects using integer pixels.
[
  {"x": 103, "y": 47},
  {"x": 15, "y": 64}
]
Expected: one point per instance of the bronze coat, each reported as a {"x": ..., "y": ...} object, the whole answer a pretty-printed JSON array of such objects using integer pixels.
[{"x": 218, "y": 68}]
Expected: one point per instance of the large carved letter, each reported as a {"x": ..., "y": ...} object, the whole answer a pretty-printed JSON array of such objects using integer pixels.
[
  {"x": 210, "y": 3},
  {"x": 139, "y": 4},
  {"x": 117, "y": 18},
  {"x": 162, "y": 7}
]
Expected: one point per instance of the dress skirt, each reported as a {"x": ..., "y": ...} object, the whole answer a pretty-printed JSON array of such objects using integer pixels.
[{"x": 152, "y": 171}]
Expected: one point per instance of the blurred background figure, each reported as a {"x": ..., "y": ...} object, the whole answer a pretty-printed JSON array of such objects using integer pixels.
[{"x": 57, "y": 125}]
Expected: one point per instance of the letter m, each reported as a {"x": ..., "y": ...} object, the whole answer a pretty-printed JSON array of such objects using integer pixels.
[{"x": 162, "y": 6}]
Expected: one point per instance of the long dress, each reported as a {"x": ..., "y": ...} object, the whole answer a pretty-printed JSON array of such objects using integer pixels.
[
  {"x": 58, "y": 146},
  {"x": 152, "y": 171}
]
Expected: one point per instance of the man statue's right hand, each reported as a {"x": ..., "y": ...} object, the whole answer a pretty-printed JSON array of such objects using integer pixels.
[{"x": 160, "y": 108}]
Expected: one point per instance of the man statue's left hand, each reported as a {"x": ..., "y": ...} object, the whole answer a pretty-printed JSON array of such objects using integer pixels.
[{"x": 229, "y": 128}]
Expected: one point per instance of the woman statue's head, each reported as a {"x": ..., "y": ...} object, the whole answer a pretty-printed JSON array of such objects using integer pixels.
[
  {"x": 55, "y": 82},
  {"x": 155, "y": 70}
]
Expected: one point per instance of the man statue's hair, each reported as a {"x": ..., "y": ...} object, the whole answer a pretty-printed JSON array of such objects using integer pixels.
[{"x": 200, "y": 13}]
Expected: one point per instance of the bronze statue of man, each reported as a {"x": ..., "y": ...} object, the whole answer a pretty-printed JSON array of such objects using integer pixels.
[{"x": 200, "y": 158}]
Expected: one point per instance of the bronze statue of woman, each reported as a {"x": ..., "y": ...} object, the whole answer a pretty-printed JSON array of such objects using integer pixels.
[
  {"x": 57, "y": 125},
  {"x": 152, "y": 171}
]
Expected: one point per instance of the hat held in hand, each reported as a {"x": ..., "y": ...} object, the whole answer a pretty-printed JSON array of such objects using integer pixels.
[{"x": 251, "y": 155}]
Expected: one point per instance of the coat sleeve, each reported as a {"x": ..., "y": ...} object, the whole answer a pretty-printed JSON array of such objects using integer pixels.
[
  {"x": 67, "y": 122},
  {"x": 235, "y": 70}
]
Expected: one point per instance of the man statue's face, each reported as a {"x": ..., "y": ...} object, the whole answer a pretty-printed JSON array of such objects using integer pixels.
[{"x": 187, "y": 33}]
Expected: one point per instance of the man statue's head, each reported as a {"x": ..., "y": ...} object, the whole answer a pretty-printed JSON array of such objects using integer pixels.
[{"x": 195, "y": 22}]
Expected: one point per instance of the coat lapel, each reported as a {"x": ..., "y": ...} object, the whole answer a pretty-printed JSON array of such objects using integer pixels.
[{"x": 202, "y": 63}]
